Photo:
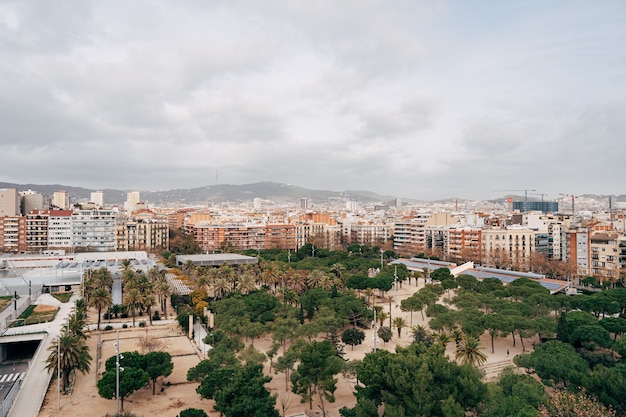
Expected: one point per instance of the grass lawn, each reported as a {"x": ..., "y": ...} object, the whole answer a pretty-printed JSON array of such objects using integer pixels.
[
  {"x": 5, "y": 300},
  {"x": 35, "y": 314},
  {"x": 63, "y": 297}
]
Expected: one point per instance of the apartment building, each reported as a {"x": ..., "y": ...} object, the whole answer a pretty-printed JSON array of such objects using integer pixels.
[
  {"x": 94, "y": 230},
  {"x": 141, "y": 234},
  {"x": 280, "y": 236},
  {"x": 367, "y": 233},
  {"x": 319, "y": 228},
  {"x": 9, "y": 202},
  {"x": 508, "y": 247},
  {"x": 605, "y": 253},
  {"x": 216, "y": 237},
  {"x": 409, "y": 234},
  {"x": 60, "y": 229},
  {"x": 34, "y": 201},
  {"x": 13, "y": 233},
  {"x": 132, "y": 200},
  {"x": 61, "y": 200},
  {"x": 37, "y": 230},
  {"x": 464, "y": 244}
]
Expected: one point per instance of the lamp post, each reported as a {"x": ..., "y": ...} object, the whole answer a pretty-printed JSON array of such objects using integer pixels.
[
  {"x": 117, "y": 374},
  {"x": 58, "y": 372},
  {"x": 374, "y": 326}
]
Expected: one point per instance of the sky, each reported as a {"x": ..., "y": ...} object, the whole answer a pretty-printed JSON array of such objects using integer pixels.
[{"x": 416, "y": 99}]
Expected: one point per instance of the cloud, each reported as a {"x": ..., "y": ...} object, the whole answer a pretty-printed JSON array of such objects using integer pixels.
[{"x": 416, "y": 99}]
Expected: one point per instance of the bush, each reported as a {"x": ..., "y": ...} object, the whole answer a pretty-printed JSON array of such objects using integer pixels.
[
  {"x": 124, "y": 326},
  {"x": 140, "y": 313},
  {"x": 106, "y": 316},
  {"x": 156, "y": 316},
  {"x": 193, "y": 412},
  {"x": 108, "y": 327},
  {"x": 142, "y": 324},
  {"x": 124, "y": 315}
]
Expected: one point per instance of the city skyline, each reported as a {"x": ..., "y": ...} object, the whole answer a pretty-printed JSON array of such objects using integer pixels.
[{"x": 424, "y": 100}]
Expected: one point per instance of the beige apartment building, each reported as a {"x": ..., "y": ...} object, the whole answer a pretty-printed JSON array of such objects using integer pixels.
[
  {"x": 507, "y": 248},
  {"x": 137, "y": 234},
  {"x": 9, "y": 202}
]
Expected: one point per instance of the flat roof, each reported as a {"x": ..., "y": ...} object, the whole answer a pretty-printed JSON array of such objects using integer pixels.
[{"x": 216, "y": 259}]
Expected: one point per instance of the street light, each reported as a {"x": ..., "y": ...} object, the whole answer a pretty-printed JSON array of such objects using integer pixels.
[
  {"x": 58, "y": 372},
  {"x": 117, "y": 374}
]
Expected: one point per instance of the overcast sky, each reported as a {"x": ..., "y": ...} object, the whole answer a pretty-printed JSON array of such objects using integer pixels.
[{"x": 420, "y": 99}]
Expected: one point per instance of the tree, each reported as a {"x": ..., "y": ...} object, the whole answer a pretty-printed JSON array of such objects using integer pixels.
[
  {"x": 470, "y": 351},
  {"x": 133, "y": 300},
  {"x": 399, "y": 324},
  {"x": 245, "y": 394},
  {"x": 74, "y": 356},
  {"x": 384, "y": 333},
  {"x": 404, "y": 381},
  {"x": 574, "y": 404},
  {"x": 556, "y": 361},
  {"x": 352, "y": 337},
  {"x": 158, "y": 364},
  {"x": 193, "y": 412},
  {"x": 100, "y": 298},
  {"x": 319, "y": 363},
  {"x": 131, "y": 379}
]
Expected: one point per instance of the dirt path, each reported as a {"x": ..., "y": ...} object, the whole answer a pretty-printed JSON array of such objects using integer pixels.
[{"x": 179, "y": 394}]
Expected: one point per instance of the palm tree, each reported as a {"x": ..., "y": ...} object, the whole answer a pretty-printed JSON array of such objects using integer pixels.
[
  {"x": 270, "y": 275},
  {"x": 444, "y": 339},
  {"x": 326, "y": 282},
  {"x": 103, "y": 278},
  {"x": 289, "y": 296},
  {"x": 470, "y": 351},
  {"x": 189, "y": 267},
  {"x": 74, "y": 355},
  {"x": 220, "y": 288},
  {"x": 315, "y": 277},
  {"x": 163, "y": 290},
  {"x": 101, "y": 299},
  {"x": 76, "y": 323},
  {"x": 399, "y": 323},
  {"x": 129, "y": 277},
  {"x": 133, "y": 300},
  {"x": 246, "y": 283},
  {"x": 297, "y": 281},
  {"x": 147, "y": 302},
  {"x": 116, "y": 310},
  {"x": 154, "y": 274},
  {"x": 457, "y": 336},
  {"x": 228, "y": 273}
]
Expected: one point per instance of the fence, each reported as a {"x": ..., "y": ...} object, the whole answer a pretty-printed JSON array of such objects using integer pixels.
[
  {"x": 7, "y": 317},
  {"x": 8, "y": 400}
]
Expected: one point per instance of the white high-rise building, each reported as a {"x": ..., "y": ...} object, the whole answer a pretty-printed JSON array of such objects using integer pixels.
[
  {"x": 61, "y": 200},
  {"x": 132, "y": 199},
  {"x": 97, "y": 197}
]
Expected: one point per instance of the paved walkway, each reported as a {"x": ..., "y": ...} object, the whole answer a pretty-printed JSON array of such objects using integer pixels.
[{"x": 35, "y": 385}]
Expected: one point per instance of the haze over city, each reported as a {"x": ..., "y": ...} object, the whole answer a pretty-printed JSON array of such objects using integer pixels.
[{"x": 419, "y": 99}]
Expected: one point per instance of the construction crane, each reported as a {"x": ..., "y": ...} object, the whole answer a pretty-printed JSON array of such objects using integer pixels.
[
  {"x": 573, "y": 198},
  {"x": 525, "y": 192},
  {"x": 541, "y": 194}
]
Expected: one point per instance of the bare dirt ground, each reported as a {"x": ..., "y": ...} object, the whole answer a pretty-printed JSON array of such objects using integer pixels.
[{"x": 179, "y": 394}]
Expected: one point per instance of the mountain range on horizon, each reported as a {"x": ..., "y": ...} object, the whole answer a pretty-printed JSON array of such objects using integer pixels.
[{"x": 264, "y": 190}]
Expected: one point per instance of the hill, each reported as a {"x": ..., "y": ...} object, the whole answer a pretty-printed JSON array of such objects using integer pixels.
[{"x": 276, "y": 192}]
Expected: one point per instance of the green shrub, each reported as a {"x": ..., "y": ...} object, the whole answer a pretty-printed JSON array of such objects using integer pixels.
[
  {"x": 142, "y": 324},
  {"x": 124, "y": 326},
  {"x": 108, "y": 327},
  {"x": 156, "y": 316}
]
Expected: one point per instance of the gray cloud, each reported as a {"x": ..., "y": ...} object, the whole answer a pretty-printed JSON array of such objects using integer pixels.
[{"x": 406, "y": 98}]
